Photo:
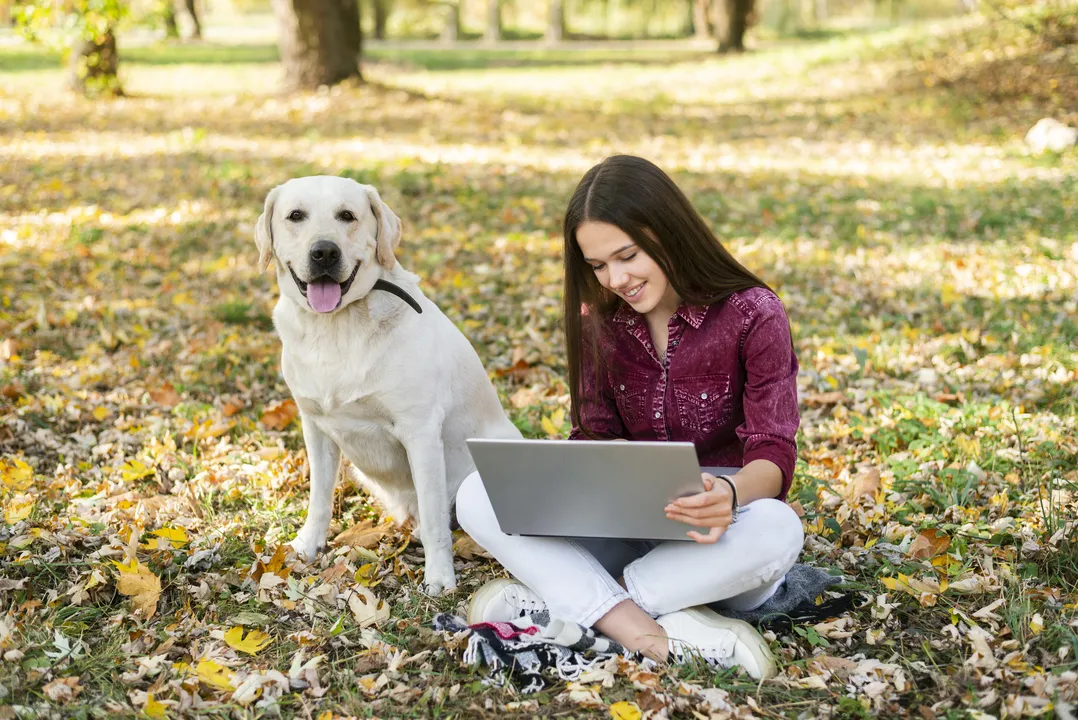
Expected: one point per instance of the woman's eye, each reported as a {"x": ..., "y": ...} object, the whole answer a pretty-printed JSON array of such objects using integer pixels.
[
  {"x": 597, "y": 268},
  {"x": 628, "y": 257},
  {"x": 346, "y": 216},
  {"x": 296, "y": 215}
]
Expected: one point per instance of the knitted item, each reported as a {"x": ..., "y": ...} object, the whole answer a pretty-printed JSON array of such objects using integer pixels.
[
  {"x": 529, "y": 653},
  {"x": 794, "y": 601}
]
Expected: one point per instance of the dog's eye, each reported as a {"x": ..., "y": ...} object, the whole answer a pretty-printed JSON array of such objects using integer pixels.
[
  {"x": 297, "y": 216},
  {"x": 346, "y": 216}
]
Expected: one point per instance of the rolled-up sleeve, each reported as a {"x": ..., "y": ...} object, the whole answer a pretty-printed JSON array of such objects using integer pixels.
[
  {"x": 598, "y": 411},
  {"x": 770, "y": 400}
]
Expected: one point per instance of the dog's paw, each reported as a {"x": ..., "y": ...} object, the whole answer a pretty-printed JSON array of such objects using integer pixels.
[
  {"x": 308, "y": 546},
  {"x": 439, "y": 578}
]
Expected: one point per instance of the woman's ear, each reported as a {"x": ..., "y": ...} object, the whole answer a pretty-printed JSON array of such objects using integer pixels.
[
  {"x": 264, "y": 231},
  {"x": 389, "y": 230}
]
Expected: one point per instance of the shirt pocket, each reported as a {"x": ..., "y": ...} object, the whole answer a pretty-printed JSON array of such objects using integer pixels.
[
  {"x": 630, "y": 394},
  {"x": 704, "y": 402}
]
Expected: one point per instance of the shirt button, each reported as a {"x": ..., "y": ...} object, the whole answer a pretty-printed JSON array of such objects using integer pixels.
[
  {"x": 658, "y": 415},
  {"x": 622, "y": 387},
  {"x": 703, "y": 396},
  {"x": 632, "y": 322}
]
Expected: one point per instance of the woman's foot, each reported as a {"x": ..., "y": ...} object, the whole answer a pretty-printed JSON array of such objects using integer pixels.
[
  {"x": 503, "y": 601},
  {"x": 718, "y": 640}
]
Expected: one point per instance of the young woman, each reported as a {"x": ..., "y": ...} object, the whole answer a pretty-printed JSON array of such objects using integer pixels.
[{"x": 669, "y": 338}]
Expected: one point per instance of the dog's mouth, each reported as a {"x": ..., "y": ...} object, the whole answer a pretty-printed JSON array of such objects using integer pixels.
[{"x": 324, "y": 294}]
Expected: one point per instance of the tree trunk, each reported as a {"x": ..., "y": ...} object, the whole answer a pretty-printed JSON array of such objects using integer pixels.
[
  {"x": 701, "y": 19},
  {"x": 381, "y": 18},
  {"x": 731, "y": 23},
  {"x": 196, "y": 25},
  {"x": 451, "y": 29},
  {"x": 94, "y": 65},
  {"x": 172, "y": 30},
  {"x": 555, "y": 27},
  {"x": 320, "y": 41},
  {"x": 493, "y": 32}
]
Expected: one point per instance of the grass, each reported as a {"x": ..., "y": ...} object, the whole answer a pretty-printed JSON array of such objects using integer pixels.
[{"x": 929, "y": 267}]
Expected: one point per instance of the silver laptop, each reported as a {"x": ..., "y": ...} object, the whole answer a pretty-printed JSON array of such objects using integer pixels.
[{"x": 584, "y": 488}]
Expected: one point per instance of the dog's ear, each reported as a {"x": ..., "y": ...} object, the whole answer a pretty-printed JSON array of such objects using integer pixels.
[
  {"x": 264, "y": 231},
  {"x": 389, "y": 230}
]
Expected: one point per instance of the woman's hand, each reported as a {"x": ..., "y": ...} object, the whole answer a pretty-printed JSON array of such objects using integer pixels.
[{"x": 713, "y": 508}]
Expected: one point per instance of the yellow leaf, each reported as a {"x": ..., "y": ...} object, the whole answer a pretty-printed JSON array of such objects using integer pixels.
[
  {"x": 140, "y": 584},
  {"x": 948, "y": 295},
  {"x": 256, "y": 640},
  {"x": 214, "y": 674},
  {"x": 100, "y": 413},
  {"x": 625, "y": 711},
  {"x": 367, "y": 575},
  {"x": 17, "y": 476},
  {"x": 154, "y": 709},
  {"x": 133, "y": 470},
  {"x": 1036, "y": 624},
  {"x": 176, "y": 536},
  {"x": 18, "y": 508},
  {"x": 549, "y": 427}
]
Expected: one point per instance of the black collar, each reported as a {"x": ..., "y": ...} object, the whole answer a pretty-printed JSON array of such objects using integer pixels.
[{"x": 398, "y": 291}]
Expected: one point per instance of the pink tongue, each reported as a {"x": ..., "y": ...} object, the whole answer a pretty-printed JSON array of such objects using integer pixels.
[{"x": 324, "y": 296}]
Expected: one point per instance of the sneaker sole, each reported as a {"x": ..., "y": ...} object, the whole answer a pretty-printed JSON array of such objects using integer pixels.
[
  {"x": 746, "y": 633},
  {"x": 483, "y": 596}
]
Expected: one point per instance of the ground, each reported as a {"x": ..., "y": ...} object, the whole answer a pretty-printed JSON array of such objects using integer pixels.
[{"x": 151, "y": 462}]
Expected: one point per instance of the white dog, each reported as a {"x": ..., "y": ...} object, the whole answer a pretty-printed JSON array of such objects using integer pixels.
[{"x": 376, "y": 369}]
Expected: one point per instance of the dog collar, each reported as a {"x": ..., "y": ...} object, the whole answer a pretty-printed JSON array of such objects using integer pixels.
[{"x": 389, "y": 287}]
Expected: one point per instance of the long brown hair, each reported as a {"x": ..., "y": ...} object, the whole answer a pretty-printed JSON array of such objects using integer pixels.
[{"x": 642, "y": 201}]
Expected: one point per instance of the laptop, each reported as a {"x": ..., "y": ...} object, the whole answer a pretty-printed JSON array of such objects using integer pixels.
[{"x": 589, "y": 488}]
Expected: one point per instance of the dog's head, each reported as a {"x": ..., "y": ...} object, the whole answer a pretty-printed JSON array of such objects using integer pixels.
[{"x": 329, "y": 235}]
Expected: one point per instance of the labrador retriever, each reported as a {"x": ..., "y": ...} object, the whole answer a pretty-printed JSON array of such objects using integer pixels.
[{"x": 377, "y": 371}]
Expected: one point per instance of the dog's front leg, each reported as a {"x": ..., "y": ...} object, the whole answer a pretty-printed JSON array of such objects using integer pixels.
[
  {"x": 426, "y": 457},
  {"x": 325, "y": 460}
]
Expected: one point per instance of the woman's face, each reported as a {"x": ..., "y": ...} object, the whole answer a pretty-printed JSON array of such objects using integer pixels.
[{"x": 625, "y": 269}]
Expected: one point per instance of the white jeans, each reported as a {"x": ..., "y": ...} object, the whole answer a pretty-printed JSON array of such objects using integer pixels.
[{"x": 576, "y": 578}]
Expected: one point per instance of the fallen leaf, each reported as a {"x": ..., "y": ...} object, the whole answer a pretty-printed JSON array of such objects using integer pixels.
[
  {"x": 467, "y": 548},
  {"x": 134, "y": 470},
  {"x": 254, "y": 641},
  {"x": 215, "y": 675},
  {"x": 366, "y": 607},
  {"x": 928, "y": 544},
  {"x": 625, "y": 710},
  {"x": 62, "y": 690},
  {"x": 16, "y": 475},
  {"x": 166, "y": 396},
  {"x": 364, "y": 535},
  {"x": 154, "y": 709},
  {"x": 834, "y": 397},
  {"x": 866, "y": 482},
  {"x": 279, "y": 415},
  {"x": 18, "y": 508},
  {"x": 140, "y": 584}
]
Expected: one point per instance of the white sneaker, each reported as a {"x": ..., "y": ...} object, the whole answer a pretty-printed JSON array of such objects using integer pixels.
[
  {"x": 503, "y": 601},
  {"x": 725, "y": 642}
]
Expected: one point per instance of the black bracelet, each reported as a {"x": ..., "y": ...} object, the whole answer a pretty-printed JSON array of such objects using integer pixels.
[{"x": 733, "y": 489}]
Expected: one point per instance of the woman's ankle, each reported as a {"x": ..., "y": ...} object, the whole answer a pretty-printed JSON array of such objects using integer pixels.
[{"x": 637, "y": 631}]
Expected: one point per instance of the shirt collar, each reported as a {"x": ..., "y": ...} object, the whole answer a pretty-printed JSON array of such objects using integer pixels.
[{"x": 692, "y": 314}]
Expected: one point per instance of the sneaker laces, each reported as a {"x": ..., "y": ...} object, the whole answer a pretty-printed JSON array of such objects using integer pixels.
[
  {"x": 524, "y": 605},
  {"x": 712, "y": 655}
]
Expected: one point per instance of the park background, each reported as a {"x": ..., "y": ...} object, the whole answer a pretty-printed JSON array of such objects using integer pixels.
[{"x": 870, "y": 161}]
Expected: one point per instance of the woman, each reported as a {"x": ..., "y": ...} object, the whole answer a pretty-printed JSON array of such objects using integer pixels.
[{"x": 669, "y": 338}]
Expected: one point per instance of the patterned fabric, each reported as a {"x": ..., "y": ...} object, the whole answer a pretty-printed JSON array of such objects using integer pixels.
[
  {"x": 728, "y": 383},
  {"x": 532, "y": 651},
  {"x": 795, "y": 601}
]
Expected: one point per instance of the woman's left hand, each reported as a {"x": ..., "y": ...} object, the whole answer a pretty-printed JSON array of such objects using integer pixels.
[{"x": 713, "y": 508}]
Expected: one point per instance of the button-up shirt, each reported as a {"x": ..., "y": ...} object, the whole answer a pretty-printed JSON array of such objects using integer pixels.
[{"x": 728, "y": 382}]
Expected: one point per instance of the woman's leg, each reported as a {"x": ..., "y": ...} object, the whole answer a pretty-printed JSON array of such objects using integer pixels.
[
  {"x": 572, "y": 582},
  {"x": 741, "y": 570}
]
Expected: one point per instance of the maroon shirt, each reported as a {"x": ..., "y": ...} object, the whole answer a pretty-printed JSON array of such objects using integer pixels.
[{"x": 729, "y": 384}]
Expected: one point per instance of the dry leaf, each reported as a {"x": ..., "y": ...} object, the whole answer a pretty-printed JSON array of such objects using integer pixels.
[
  {"x": 18, "y": 509},
  {"x": 140, "y": 584},
  {"x": 467, "y": 548},
  {"x": 165, "y": 395},
  {"x": 154, "y": 709},
  {"x": 866, "y": 482},
  {"x": 279, "y": 415},
  {"x": 364, "y": 535},
  {"x": 62, "y": 690},
  {"x": 812, "y": 400},
  {"x": 928, "y": 544},
  {"x": 366, "y": 607},
  {"x": 255, "y": 640},
  {"x": 215, "y": 675},
  {"x": 625, "y": 710}
]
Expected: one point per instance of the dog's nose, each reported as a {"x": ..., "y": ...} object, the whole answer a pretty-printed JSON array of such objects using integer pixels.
[{"x": 325, "y": 255}]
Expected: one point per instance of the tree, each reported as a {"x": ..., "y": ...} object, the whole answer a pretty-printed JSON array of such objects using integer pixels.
[
  {"x": 88, "y": 34},
  {"x": 192, "y": 12},
  {"x": 493, "y": 32},
  {"x": 555, "y": 27},
  {"x": 731, "y": 21},
  {"x": 701, "y": 20},
  {"x": 451, "y": 29},
  {"x": 381, "y": 17},
  {"x": 320, "y": 41},
  {"x": 168, "y": 16}
]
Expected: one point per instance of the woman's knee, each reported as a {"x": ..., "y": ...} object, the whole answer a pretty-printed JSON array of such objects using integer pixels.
[
  {"x": 474, "y": 512},
  {"x": 784, "y": 535}
]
